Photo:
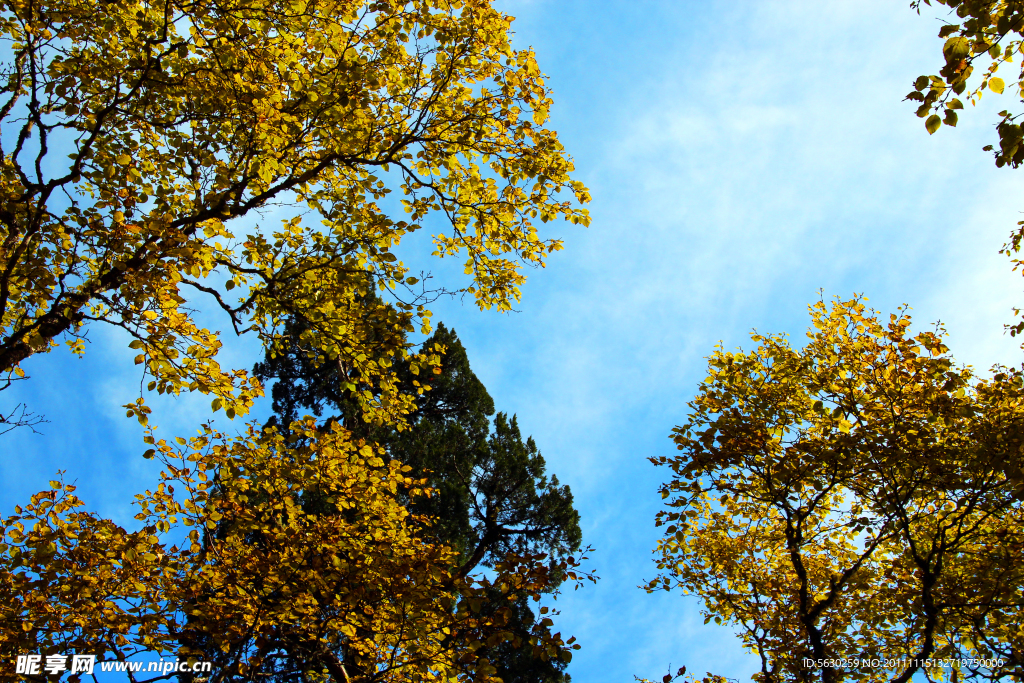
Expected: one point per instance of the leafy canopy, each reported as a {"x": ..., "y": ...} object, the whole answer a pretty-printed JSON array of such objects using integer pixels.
[
  {"x": 232, "y": 556},
  {"x": 136, "y": 135},
  {"x": 857, "y": 498}
]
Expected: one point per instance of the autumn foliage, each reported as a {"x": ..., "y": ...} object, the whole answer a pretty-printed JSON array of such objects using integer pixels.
[
  {"x": 143, "y": 146},
  {"x": 299, "y": 552},
  {"x": 136, "y": 136},
  {"x": 856, "y": 499}
]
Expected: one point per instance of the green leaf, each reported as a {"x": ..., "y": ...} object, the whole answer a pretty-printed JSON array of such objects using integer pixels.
[
  {"x": 955, "y": 104},
  {"x": 921, "y": 83},
  {"x": 956, "y": 48},
  {"x": 932, "y": 124},
  {"x": 996, "y": 85},
  {"x": 950, "y": 118}
]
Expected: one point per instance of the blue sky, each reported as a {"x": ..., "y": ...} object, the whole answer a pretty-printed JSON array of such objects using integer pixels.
[{"x": 741, "y": 157}]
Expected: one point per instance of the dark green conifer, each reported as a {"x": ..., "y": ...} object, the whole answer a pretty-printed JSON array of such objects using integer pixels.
[{"x": 492, "y": 494}]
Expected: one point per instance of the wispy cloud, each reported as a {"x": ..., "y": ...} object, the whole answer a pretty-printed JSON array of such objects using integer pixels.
[{"x": 740, "y": 159}]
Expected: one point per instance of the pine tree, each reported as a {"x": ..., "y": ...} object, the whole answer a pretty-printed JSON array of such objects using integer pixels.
[{"x": 490, "y": 491}]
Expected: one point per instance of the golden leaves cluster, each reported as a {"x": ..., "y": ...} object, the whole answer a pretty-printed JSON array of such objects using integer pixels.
[
  {"x": 182, "y": 119},
  {"x": 263, "y": 548},
  {"x": 857, "y": 498}
]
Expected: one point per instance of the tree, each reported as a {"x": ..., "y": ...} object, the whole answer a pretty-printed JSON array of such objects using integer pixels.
[
  {"x": 853, "y": 507},
  {"x": 183, "y": 118},
  {"x": 490, "y": 493}
]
